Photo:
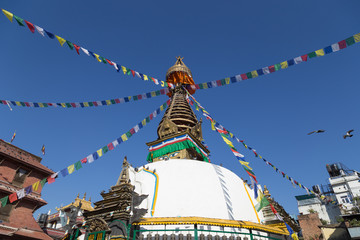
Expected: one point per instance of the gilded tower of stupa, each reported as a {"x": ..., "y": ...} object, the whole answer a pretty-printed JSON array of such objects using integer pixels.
[{"x": 179, "y": 132}]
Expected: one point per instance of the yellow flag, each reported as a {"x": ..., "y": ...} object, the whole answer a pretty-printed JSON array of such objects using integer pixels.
[
  {"x": 227, "y": 80},
  {"x": 161, "y": 107},
  {"x": 97, "y": 57},
  {"x": 61, "y": 40},
  {"x": 245, "y": 164},
  {"x": 300, "y": 185},
  {"x": 71, "y": 169},
  {"x": 153, "y": 94},
  {"x": 124, "y": 137},
  {"x": 86, "y": 104},
  {"x": 320, "y": 52},
  {"x": 145, "y": 77},
  {"x": 228, "y": 142},
  {"x": 123, "y": 69},
  {"x": 9, "y": 15},
  {"x": 108, "y": 102},
  {"x": 260, "y": 196},
  {"x": 356, "y": 37},
  {"x": 99, "y": 152},
  {"x": 41, "y": 105},
  {"x": 205, "y": 86},
  {"x": 213, "y": 125},
  {"x": 143, "y": 122},
  {"x": 35, "y": 186},
  {"x": 231, "y": 135},
  {"x": 162, "y": 83},
  {"x": 254, "y": 74},
  {"x": 63, "y": 105},
  {"x": 284, "y": 64},
  {"x": 18, "y": 103},
  {"x": 295, "y": 236}
]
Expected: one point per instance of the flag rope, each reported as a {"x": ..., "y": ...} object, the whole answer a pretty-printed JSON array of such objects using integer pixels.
[
  {"x": 127, "y": 71},
  {"x": 231, "y": 135},
  {"x": 108, "y": 102},
  {"x": 19, "y": 194}
]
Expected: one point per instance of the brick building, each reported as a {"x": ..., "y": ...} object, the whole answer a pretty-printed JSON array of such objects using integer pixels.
[{"x": 19, "y": 169}]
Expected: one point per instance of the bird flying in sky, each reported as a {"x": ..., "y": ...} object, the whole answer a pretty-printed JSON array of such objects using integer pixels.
[
  {"x": 316, "y": 131},
  {"x": 348, "y": 134}
]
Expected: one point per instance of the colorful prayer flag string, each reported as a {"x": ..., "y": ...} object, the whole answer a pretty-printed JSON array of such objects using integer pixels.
[
  {"x": 62, "y": 41},
  {"x": 231, "y": 135},
  {"x": 87, "y": 104},
  {"x": 279, "y": 66},
  {"x": 89, "y": 159}
]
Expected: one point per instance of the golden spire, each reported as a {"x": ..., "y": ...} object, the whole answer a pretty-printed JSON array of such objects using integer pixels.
[
  {"x": 179, "y": 66},
  {"x": 84, "y": 196}
]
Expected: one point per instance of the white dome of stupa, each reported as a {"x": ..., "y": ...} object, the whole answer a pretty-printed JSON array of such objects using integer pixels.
[{"x": 190, "y": 188}]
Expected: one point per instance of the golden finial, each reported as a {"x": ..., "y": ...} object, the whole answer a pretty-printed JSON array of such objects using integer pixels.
[
  {"x": 78, "y": 195},
  {"x": 84, "y": 196},
  {"x": 179, "y": 66},
  {"x": 266, "y": 192}
]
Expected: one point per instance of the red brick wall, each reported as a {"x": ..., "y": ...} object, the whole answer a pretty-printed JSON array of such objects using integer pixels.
[
  {"x": 7, "y": 170},
  {"x": 309, "y": 224},
  {"x": 22, "y": 216}
]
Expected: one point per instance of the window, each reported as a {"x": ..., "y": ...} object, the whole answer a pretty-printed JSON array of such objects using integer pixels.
[{"x": 20, "y": 176}]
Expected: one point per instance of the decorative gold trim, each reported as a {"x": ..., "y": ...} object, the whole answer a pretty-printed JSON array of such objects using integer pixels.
[{"x": 211, "y": 221}]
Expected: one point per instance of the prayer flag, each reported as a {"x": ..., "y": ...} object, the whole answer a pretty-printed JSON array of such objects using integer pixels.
[
  {"x": 245, "y": 164},
  {"x": 335, "y": 47},
  {"x": 263, "y": 203},
  {"x": 99, "y": 152},
  {"x": 284, "y": 64},
  {"x": 97, "y": 57},
  {"x": 90, "y": 158},
  {"x": 71, "y": 46},
  {"x": 20, "y": 21},
  {"x": 61, "y": 40},
  {"x": 320, "y": 52},
  {"x": 20, "y": 193},
  {"x": 42, "y": 182},
  {"x": 342, "y": 44},
  {"x": 50, "y": 35},
  {"x": 64, "y": 173},
  {"x": 12, "y": 197},
  {"x": 4, "y": 201},
  {"x": 77, "y": 48},
  {"x": 13, "y": 137},
  {"x": 28, "y": 189},
  {"x": 357, "y": 37},
  {"x": 43, "y": 149},
  {"x": 40, "y": 30},
  {"x": 85, "y": 51},
  {"x": 9, "y": 15},
  {"x": 35, "y": 185},
  {"x": 350, "y": 41},
  {"x": 71, "y": 168},
  {"x": 30, "y": 26},
  {"x": 254, "y": 74},
  {"x": 124, "y": 69}
]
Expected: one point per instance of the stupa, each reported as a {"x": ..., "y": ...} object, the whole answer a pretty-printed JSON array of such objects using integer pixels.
[{"x": 179, "y": 194}]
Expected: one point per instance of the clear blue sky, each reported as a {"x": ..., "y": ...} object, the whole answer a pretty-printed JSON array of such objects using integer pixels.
[{"x": 272, "y": 113}]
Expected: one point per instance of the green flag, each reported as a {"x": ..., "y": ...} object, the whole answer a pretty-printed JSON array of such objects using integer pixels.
[
  {"x": 19, "y": 20},
  {"x": 263, "y": 203},
  {"x": 78, "y": 165},
  {"x": 42, "y": 182},
  {"x": 71, "y": 46},
  {"x": 4, "y": 201}
]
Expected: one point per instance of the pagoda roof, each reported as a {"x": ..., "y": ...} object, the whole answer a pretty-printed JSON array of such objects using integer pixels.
[{"x": 19, "y": 155}]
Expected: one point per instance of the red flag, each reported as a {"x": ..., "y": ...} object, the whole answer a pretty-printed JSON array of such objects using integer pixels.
[
  {"x": 12, "y": 197},
  {"x": 84, "y": 160},
  {"x": 30, "y": 26},
  {"x": 342, "y": 44},
  {"x": 110, "y": 146},
  {"x": 133, "y": 73},
  {"x": 77, "y": 48},
  {"x": 304, "y": 57},
  {"x": 109, "y": 61},
  {"x": 50, "y": 180}
]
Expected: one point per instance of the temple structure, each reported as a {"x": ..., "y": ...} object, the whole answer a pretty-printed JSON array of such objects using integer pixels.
[
  {"x": 179, "y": 194},
  {"x": 56, "y": 225},
  {"x": 19, "y": 169}
]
